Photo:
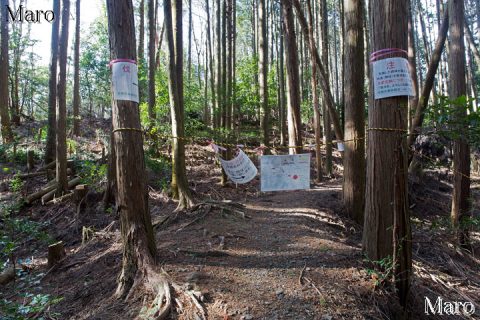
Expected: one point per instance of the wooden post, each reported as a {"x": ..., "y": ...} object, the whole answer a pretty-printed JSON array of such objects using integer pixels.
[
  {"x": 30, "y": 160},
  {"x": 79, "y": 193},
  {"x": 56, "y": 252}
]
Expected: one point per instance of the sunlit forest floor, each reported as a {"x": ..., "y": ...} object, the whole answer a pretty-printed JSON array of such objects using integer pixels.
[{"x": 246, "y": 254}]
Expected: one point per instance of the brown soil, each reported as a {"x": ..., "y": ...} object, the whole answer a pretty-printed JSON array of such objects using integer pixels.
[{"x": 250, "y": 267}]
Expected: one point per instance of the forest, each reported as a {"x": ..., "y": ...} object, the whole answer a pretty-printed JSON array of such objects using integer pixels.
[{"x": 239, "y": 159}]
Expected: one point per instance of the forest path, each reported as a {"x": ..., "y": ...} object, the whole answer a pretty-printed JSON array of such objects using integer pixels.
[
  {"x": 249, "y": 268},
  {"x": 255, "y": 273}
]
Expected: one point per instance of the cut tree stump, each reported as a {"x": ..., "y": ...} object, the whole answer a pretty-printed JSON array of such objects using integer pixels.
[
  {"x": 7, "y": 275},
  {"x": 30, "y": 160},
  {"x": 80, "y": 192},
  {"x": 56, "y": 252}
]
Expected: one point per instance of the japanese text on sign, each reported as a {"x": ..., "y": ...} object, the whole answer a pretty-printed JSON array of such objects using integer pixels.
[
  {"x": 392, "y": 78},
  {"x": 125, "y": 81},
  {"x": 240, "y": 169},
  {"x": 285, "y": 172}
]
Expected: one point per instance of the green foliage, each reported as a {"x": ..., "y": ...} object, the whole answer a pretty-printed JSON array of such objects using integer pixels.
[
  {"x": 94, "y": 73},
  {"x": 16, "y": 184},
  {"x": 445, "y": 223},
  {"x": 455, "y": 118},
  {"x": 381, "y": 270},
  {"x": 247, "y": 86},
  {"x": 14, "y": 231},
  {"x": 71, "y": 146},
  {"x": 92, "y": 173},
  {"x": 33, "y": 305},
  {"x": 161, "y": 167}
]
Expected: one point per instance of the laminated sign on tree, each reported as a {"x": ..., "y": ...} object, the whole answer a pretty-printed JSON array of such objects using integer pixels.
[
  {"x": 391, "y": 76},
  {"x": 125, "y": 80}
]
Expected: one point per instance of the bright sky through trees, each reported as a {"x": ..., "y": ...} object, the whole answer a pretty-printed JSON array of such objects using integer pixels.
[{"x": 90, "y": 10}]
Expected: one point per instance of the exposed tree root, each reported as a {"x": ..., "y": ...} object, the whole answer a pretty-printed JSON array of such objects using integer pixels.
[
  {"x": 225, "y": 207},
  {"x": 167, "y": 296}
]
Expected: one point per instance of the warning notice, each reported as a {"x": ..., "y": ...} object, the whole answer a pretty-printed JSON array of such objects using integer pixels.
[
  {"x": 392, "y": 78},
  {"x": 285, "y": 172},
  {"x": 125, "y": 81},
  {"x": 240, "y": 169}
]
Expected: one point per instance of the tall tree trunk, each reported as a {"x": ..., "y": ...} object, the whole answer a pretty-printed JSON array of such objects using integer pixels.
[
  {"x": 210, "y": 64},
  {"x": 412, "y": 64},
  {"x": 109, "y": 197},
  {"x": 52, "y": 87},
  {"x": 315, "y": 100},
  {"x": 225, "y": 97},
  {"x": 61, "y": 150},
  {"x": 219, "y": 101},
  {"x": 174, "y": 35},
  {"x": 471, "y": 43},
  {"x": 141, "y": 47},
  {"x": 190, "y": 29},
  {"x": 281, "y": 79},
  {"x": 429, "y": 81},
  {"x": 322, "y": 72},
  {"x": 461, "y": 151},
  {"x": 7, "y": 135},
  {"x": 293, "y": 81},
  {"x": 152, "y": 31},
  {"x": 387, "y": 222},
  {"x": 263, "y": 73},
  {"x": 136, "y": 227},
  {"x": 233, "y": 105},
  {"x": 76, "y": 76},
  {"x": 327, "y": 123},
  {"x": 354, "y": 157}
]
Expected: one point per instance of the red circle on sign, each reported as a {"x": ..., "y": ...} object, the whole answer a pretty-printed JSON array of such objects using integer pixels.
[{"x": 295, "y": 177}]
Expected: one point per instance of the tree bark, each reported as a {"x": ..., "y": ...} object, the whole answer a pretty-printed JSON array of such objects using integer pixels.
[
  {"x": 281, "y": 79},
  {"x": 151, "y": 60},
  {"x": 412, "y": 64},
  {"x": 471, "y": 43},
  {"x": 141, "y": 46},
  {"x": 7, "y": 135},
  {"x": 263, "y": 73},
  {"x": 190, "y": 29},
  {"x": 76, "y": 76},
  {"x": 315, "y": 102},
  {"x": 52, "y": 87},
  {"x": 210, "y": 65},
  {"x": 217, "y": 114},
  {"x": 136, "y": 227},
  {"x": 174, "y": 34},
  {"x": 293, "y": 81},
  {"x": 386, "y": 224},
  {"x": 61, "y": 111},
  {"x": 354, "y": 157},
  {"x": 461, "y": 151}
]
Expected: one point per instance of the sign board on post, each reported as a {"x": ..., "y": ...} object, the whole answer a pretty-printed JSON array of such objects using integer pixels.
[
  {"x": 125, "y": 80},
  {"x": 240, "y": 169},
  {"x": 391, "y": 78},
  {"x": 285, "y": 172}
]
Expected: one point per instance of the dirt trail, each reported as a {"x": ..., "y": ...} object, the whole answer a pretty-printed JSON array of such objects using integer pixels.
[{"x": 249, "y": 267}]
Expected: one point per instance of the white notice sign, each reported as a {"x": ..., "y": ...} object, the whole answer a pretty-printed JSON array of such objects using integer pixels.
[
  {"x": 288, "y": 172},
  {"x": 125, "y": 81},
  {"x": 392, "y": 78},
  {"x": 240, "y": 169}
]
